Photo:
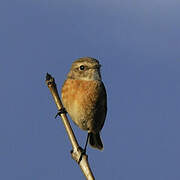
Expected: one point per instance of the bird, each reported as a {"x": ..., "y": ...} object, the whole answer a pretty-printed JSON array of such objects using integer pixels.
[{"x": 85, "y": 100}]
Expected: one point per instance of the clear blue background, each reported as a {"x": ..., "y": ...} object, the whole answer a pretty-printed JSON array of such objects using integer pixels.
[{"x": 138, "y": 45}]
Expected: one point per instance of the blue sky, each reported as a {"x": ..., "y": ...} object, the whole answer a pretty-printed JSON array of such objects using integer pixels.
[{"x": 138, "y": 45}]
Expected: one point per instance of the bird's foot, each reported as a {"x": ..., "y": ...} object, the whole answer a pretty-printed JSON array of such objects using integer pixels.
[
  {"x": 77, "y": 154},
  {"x": 83, "y": 152},
  {"x": 61, "y": 111}
]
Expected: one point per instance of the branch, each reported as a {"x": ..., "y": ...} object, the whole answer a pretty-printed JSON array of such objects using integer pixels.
[{"x": 77, "y": 151}]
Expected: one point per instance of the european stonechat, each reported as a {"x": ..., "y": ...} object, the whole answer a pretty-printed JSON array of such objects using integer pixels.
[{"x": 84, "y": 98}]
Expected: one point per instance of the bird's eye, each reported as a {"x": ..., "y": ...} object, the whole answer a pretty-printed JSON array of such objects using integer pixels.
[{"x": 82, "y": 67}]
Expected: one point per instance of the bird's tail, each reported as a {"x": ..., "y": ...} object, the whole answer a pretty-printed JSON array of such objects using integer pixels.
[{"x": 95, "y": 141}]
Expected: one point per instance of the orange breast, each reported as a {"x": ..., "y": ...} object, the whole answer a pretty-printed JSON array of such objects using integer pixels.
[{"x": 79, "y": 97}]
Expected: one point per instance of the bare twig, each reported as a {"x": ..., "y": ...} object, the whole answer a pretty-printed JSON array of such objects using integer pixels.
[{"x": 77, "y": 151}]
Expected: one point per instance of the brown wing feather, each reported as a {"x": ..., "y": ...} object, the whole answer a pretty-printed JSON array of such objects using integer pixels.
[{"x": 100, "y": 110}]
